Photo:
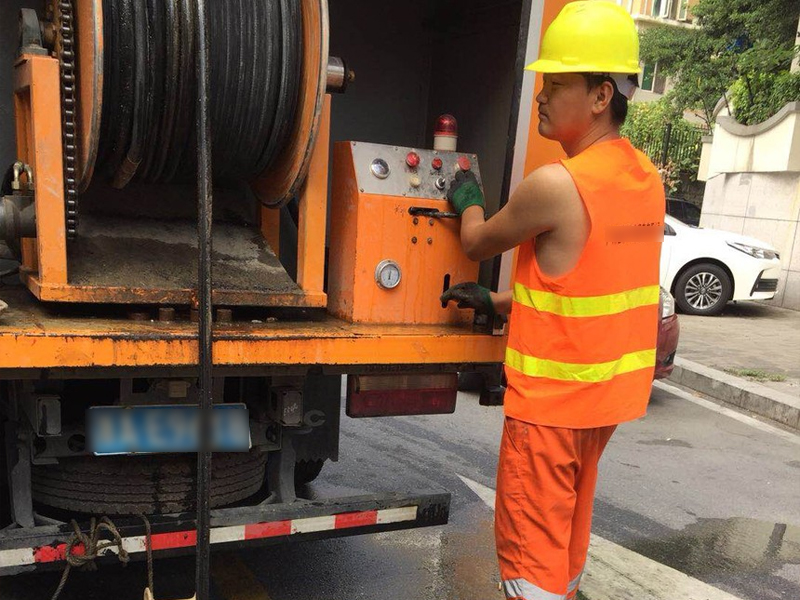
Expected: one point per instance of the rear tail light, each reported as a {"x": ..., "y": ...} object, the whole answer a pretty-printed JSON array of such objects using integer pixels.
[{"x": 400, "y": 395}]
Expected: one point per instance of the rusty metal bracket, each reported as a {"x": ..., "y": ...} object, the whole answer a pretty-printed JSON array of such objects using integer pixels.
[
  {"x": 30, "y": 33},
  {"x": 18, "y": 210}
]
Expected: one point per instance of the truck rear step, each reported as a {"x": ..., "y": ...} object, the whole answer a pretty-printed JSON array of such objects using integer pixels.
[{"x": 43, "y": 547}]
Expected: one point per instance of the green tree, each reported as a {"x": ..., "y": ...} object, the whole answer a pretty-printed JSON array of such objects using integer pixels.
[
  {"x": 746, "y": 41},
  {"x": 646, "y": 127}
]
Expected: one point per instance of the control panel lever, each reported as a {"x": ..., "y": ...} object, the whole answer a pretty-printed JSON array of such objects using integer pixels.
[{"x": 432, "y": 213}]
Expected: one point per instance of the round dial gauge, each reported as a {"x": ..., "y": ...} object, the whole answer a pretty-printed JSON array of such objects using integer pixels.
[
  {"x": 379, "y": 168},
  {"x": 387, "y": 274}
]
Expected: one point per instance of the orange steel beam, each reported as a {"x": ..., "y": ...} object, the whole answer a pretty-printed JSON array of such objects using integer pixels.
[
  {"x": 271, "y": 228},
  {"x": 314, "y": 210},
  {"x": 246, "y": 346},
  {"x": 37, "y": 102},
  {"x": 127, "y": 295}
]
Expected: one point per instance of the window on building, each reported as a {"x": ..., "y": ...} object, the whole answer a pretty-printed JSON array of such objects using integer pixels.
[
  {"x": 683, "y": 10},
  {"x": 648, "y": 77},
  {"x": 661, "y": 8},
  {"x": 656, "y": 7}
]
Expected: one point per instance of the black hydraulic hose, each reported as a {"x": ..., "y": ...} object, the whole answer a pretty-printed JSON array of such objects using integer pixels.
[
  {"x": 256, "y": 59},
  {"x": 142, "y": 96},
  {"x": 186, "y": 94},
  {"x": 157, "y": 54},
  {"x": 169, "y": 110},
  {"x": 268, "y": 46},
  {"x": 123, "y": 58},
  {"x": 204, "y": 229},
  {"x": 291, "y": 51}
]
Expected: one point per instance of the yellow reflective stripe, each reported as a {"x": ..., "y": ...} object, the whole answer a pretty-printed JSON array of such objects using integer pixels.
[
  {"x": 587, "y": 306},
  {"x": 587, "y": 373}
]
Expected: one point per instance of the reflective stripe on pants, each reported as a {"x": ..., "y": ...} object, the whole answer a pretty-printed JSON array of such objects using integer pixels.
[
  {"x": 525, "y": 590},
  {"x": 545, "y": 489},
  {"x": 572, "y": 588}
]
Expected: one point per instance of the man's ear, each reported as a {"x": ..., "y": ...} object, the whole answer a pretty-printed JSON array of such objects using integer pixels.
[{"x": 603, "y": 94}]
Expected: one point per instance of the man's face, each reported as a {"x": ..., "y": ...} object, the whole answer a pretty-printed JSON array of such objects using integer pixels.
[{"x": 565, "y": 107}]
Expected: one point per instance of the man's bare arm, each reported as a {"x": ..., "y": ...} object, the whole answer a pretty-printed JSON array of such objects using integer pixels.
[
  {"x": 502, "y": 302},
  {"x": 536, "y": 206}
]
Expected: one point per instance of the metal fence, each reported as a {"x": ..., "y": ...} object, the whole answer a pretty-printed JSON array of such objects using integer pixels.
[{"x": 677, "y": 146}]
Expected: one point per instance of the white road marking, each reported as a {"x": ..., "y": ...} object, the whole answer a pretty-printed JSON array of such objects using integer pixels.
[
  {"x": 616, "y": 573},
  {"x": 728, "y": 412},
  {"x": 486, "y": 494}
]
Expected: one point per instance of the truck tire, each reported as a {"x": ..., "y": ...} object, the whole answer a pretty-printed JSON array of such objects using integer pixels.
[
  {"x": 703, "y": 289},
  {"x": 306, "y": 471},
  {"x": 160, "y": 484}
]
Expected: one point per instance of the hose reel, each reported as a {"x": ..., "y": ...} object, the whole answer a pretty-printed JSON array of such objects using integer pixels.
[{"x": 134, "y": 61}]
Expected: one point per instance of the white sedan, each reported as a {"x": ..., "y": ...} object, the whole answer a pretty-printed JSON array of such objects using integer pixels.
[{"x": 707, "y": 268}]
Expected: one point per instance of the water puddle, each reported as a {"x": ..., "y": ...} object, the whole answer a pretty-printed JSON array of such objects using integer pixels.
[{"x": 712, "y": 548}]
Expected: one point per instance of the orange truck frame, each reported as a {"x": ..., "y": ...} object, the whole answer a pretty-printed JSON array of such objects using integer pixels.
[{"x": 58, "y": 339}]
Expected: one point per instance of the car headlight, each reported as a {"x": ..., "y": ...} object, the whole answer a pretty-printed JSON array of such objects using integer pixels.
[
  {"x": 754, "y": 251},
  {"x": 667, "y": 303}
]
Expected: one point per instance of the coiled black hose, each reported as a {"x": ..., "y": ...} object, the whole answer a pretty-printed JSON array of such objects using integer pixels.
[{"x": 256, "y": 61}]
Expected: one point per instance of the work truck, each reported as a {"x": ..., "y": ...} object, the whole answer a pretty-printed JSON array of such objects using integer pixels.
[{"x": 224, "y": 229}]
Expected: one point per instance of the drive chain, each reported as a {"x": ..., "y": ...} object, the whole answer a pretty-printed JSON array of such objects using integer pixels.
[{"x": 66, "y": 52}]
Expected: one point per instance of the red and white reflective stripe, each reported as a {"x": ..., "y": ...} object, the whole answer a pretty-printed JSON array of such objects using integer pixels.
[{"x": 20, "y": 557}]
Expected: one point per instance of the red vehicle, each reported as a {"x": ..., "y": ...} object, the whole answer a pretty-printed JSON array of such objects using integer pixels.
[
  {"x": 489, "y": 380},
  {"x": 668, "y": 332}
]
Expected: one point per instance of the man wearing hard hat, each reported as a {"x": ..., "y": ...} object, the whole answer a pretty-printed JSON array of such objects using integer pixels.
[{"x": 584, "y": 304}]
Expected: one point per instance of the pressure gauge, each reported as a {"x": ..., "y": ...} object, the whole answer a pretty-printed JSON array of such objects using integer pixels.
[
  {"x": 379, "y": 168},
  {"x": 387, "y": 274}
]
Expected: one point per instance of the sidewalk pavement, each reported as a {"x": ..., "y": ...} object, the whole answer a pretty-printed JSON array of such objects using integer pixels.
[{"x": 716, "y": 354}]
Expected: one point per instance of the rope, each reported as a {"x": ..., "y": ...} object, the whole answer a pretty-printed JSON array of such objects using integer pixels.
[
  {"x": 149, "y": 548},
  {"x": 93, "y": 547}
]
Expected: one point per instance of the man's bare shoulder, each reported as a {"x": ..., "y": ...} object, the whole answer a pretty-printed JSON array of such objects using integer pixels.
[{"x": 550, "y": 183}]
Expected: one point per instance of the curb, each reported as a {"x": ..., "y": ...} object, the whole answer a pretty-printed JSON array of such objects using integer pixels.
[{"x": 759, "y": 399}]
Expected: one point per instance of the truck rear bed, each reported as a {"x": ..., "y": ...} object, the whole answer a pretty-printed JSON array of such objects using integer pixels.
[{"x": 35, "y": 336}]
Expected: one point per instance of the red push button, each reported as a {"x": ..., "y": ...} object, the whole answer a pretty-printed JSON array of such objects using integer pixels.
[
  {"x": 437, "y": 164},
  {"x": 412, "y": 160},
  {"x": 464, "y": 163}
]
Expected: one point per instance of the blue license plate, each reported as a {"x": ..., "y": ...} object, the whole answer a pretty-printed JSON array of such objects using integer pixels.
[{"x": 151, "y": 429}]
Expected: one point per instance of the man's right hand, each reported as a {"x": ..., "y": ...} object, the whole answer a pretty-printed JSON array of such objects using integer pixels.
[{"x": 471, "y": 295}]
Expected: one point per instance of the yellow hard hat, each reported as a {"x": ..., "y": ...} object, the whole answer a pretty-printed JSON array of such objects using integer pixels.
[{"x": 590, "y": 36}]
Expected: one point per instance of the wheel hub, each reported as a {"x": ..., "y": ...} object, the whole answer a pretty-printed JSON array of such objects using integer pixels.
[{"x": 703, "y": 290}]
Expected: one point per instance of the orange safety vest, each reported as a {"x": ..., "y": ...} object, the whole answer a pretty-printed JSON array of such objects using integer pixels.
[{"x": 582, "y": 346}]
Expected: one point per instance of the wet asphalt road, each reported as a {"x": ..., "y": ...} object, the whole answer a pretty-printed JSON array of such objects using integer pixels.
[{"x": 713, "y": 497}]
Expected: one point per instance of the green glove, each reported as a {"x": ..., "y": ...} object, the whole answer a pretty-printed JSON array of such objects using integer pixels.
[
  {"x": 470, "y": 295},
  {"x": 465, "y": 192}
]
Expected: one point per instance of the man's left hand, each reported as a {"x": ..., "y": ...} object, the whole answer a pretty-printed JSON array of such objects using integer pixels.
[{"x": 471, "y": 295}]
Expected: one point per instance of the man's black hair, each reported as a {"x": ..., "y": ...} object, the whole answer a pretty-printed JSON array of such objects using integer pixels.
[{"x": 619, "y": 103}]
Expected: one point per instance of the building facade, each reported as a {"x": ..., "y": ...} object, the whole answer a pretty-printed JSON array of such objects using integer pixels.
[{"x": 650, "y": 13}]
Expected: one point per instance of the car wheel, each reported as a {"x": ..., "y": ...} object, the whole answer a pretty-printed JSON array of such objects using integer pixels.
[{"x": 703, "y": 289}]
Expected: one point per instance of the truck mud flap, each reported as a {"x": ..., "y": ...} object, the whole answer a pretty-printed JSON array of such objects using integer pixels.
[{"x": 43, "y": 547}]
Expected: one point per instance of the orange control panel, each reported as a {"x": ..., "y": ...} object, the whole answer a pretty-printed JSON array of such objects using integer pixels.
[{"x": 394, "y": 241}]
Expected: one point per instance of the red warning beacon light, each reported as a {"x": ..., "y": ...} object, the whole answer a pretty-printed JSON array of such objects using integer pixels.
[{"x": 445, "y": 134}]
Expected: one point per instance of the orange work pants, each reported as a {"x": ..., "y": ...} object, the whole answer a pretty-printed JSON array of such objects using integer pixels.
[{"x": 545, "y": 490}]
